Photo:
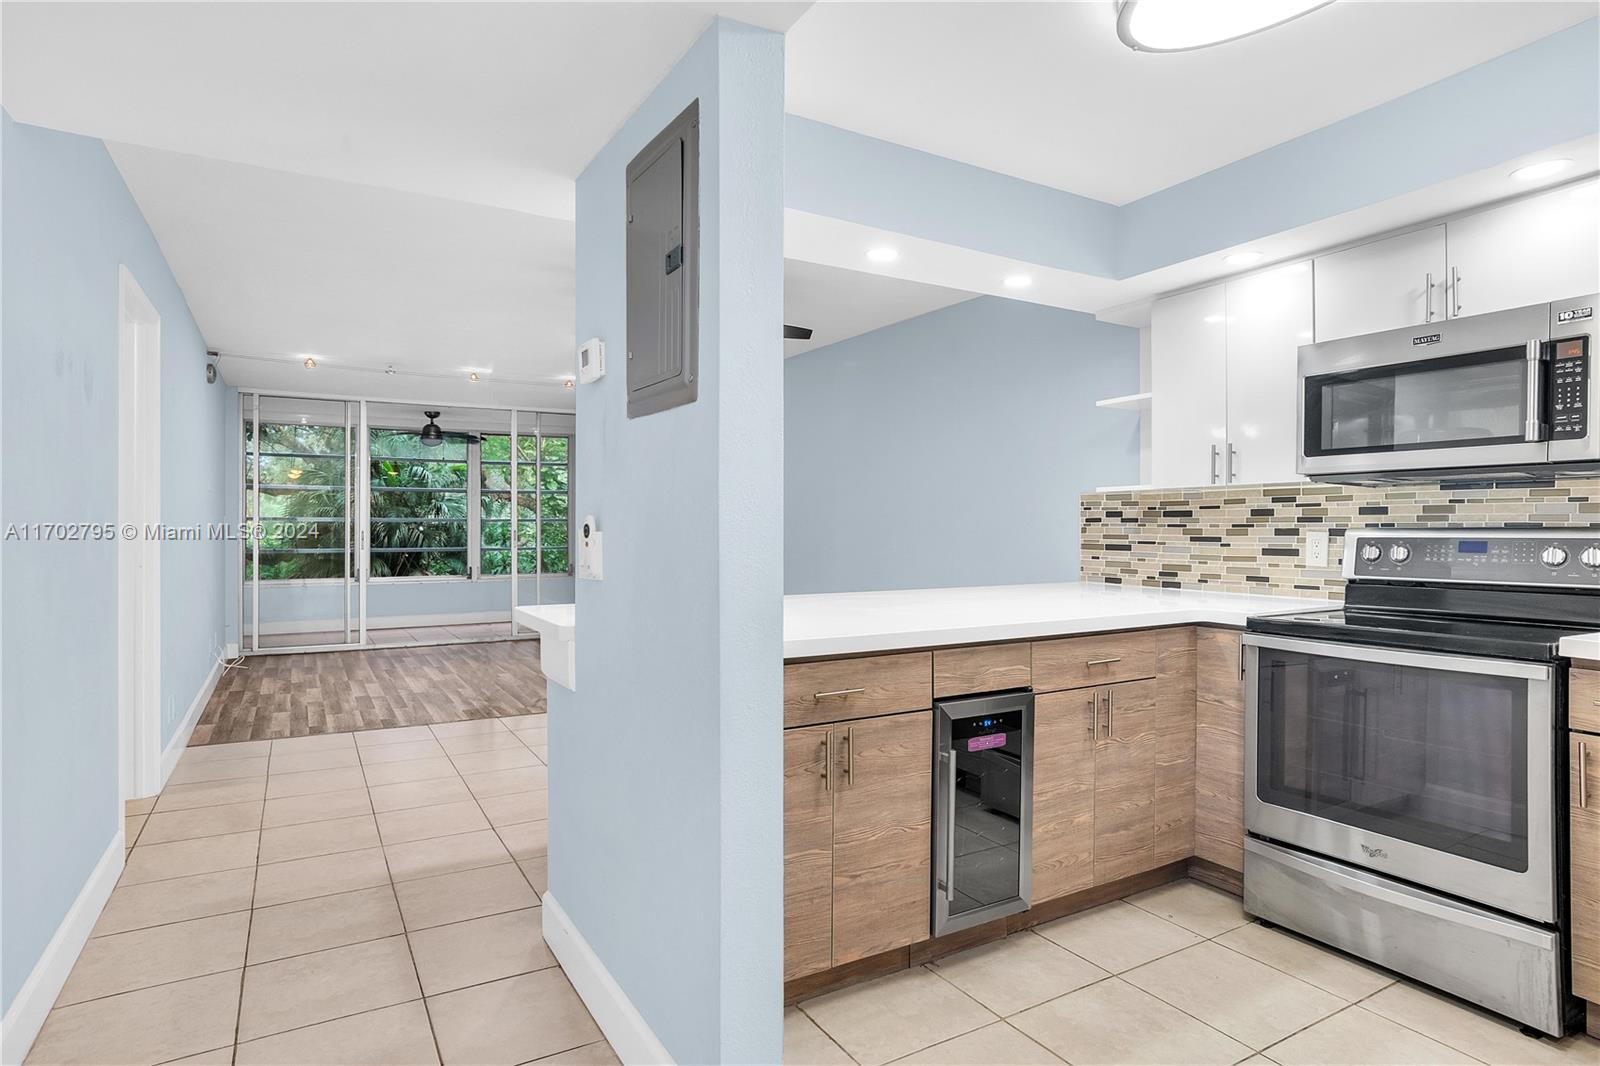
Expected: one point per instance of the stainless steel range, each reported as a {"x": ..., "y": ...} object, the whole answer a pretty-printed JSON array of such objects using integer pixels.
[{"x": 1402, "y": 770}]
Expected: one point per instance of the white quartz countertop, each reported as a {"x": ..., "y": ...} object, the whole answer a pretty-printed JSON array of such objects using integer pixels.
[
  {"x": 1586, "y": 646},
  {"x": 849, "y": 622}
]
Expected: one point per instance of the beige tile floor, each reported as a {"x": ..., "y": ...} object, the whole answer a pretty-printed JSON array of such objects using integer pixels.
[
  {"x": 362, "y": 897},
  {"x": 1177, "y": 975}
]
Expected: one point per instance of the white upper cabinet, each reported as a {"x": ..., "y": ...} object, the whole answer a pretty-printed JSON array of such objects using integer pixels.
[
  {"x": 1269, "y": 317},
  {"x": 1385, "y": 284},
  {"x": 1189, "y": 385},
  {"x": 1532, "y": 251}
]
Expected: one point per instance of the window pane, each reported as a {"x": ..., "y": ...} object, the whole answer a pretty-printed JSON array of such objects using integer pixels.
[
  {"x": 553, "y": 478},
  {"x": 419, "y": 563},
  {"x": 417, "y": 503},
  {"x": 407, "y": 533},
  {"x": 554, "y": 505},
  {"x": 555, "y": 449},
  {"x": 494, "y": 448},
  {"x": 555, "y": 560},
  {"x": 495, "y": 475},
  {"x": 302, "y": 499},
  {"x": 419, "y": 473},
  {"x": 555, "y": 534},
  {"x": 406, "y": 444}
]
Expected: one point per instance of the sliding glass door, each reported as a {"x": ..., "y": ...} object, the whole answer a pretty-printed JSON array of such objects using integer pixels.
[{"x": 302, "y": 515}]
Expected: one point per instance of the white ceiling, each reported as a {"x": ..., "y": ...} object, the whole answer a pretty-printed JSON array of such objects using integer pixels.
[
  {"x": 839, "y": 304},
  {"x": 282, "y": 266},
  {"x": 1046, "y": 91},
  {"x": 498, "y": 104}
]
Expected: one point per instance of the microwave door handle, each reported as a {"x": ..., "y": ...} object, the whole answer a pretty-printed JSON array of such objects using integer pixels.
[{"x": 1537, "y": 427}]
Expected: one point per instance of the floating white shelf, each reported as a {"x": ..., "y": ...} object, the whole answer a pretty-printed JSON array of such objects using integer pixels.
[{"x": 1134, "y": 401}]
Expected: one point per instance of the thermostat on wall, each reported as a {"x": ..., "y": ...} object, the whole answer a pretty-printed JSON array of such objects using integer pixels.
[{"x": 592, "y": 360}]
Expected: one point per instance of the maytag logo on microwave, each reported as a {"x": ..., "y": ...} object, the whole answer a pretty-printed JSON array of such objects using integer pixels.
[
  {"x": 1428, "y": 338},
  {"x": 1573, "y": 314}
]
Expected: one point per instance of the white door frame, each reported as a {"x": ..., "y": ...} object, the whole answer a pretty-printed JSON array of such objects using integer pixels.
[{"x": 139, "y": 555}]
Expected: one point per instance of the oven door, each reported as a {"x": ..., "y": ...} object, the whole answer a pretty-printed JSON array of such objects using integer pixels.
[
  {"x": 1463, "y": 394},
  {"x": 1434, "y": 769}
]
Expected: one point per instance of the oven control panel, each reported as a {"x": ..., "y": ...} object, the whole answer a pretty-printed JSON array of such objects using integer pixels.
[
  {"x": 1561, "y": 558},
  {"x": 1569, "y": 388}
]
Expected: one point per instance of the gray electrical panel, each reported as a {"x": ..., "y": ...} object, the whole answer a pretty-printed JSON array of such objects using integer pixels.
[{"x": 664, "y": 268}]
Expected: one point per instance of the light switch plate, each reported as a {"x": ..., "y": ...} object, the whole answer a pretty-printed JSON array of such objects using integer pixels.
[{"x": 1316, "y": 547}]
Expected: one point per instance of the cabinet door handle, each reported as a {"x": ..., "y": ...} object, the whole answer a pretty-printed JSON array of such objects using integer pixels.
[
  {"x": 1213, "y": 464},
  {"x": 827, "y": 757},
  {"x": 950, "y": 838},
  {"x": 1103, "y": 662},
  {"x": 1096, "y": 702},
  {"x": 1233, "y": 465},
  {"x": 1427, "y": 288},
  {"x": 1455, "y": 291},
  {"x": 838, "y": 693},
  {"x": 850, "y": 757},
  {"x": 1583, "y": 788},
  {"x": 1111, "y": 710}
]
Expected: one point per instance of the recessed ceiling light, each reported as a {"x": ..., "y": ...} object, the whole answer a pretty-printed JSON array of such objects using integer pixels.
[
  {"x": 1179, "y": 25},
  {"x": 1543, "y": 169},
  {"x": 1212, "y": 320},
  {"x": 566, "y": 383},
  {"x": 1018, "y": 281},
  {"x": 472, "y": 376},
  {"x": 1239, "y": 259},
  {"x": 883, "y": 255},
  {"x": 311, "y": 364}
]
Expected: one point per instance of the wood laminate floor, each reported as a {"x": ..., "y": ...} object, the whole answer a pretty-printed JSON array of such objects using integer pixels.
[{"x": 297, "y": 695}]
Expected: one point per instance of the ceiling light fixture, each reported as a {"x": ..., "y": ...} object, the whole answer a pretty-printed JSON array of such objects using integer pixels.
[
  {"x": 883, "y": 255},
  {"x": 473, "y": 376},
  {"x": 1544, "y": 169},
  {"x": 1239, "y": 259},
  {"x": 1018, "y": 281},
  {"x": 566, "y": 383},
  {"x": 311, "y": 364},
  {"x": 1182, "y": 25}
]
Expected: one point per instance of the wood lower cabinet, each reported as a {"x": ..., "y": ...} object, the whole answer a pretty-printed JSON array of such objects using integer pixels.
[
  {"x": 1125, "y": 781},
  {"x": 807, "y": 851},
  {"x": 1113, "y": 774},
  {"x": 857, "y": 832},
  {"x": 1219, "y": 749},
  {"x": 1064, "y": 726},
  {"x": 882, "y": 834},
  {"x": 1584, "y": 808}
]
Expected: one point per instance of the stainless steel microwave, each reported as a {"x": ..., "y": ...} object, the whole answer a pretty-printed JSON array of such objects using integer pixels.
[{"x": 1506, "y": 395}]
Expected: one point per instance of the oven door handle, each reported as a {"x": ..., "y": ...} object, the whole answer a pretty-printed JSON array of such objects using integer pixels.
[
  {"x": 1422, "y": 660},
  {"x": 1537, "y": 426}
]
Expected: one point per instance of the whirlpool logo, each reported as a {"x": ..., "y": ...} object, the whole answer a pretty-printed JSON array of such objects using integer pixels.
[{"x": 1374, "y": 853}]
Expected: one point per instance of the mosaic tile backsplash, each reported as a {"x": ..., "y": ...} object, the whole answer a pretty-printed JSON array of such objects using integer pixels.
[{"x": 1250, "y": 538}]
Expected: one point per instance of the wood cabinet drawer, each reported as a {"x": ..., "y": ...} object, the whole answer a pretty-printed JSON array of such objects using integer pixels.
[
  {"x": 989, "y": 668},
  {"x": 1078, "y": 662},
  {"x": 1583, "y": 700},
  {"x": 837, "y": 690},
  {"x": 1584, "y": 809}
]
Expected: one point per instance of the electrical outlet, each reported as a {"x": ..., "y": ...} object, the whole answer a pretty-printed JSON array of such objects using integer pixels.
[{"x": 1316, "y": 547}]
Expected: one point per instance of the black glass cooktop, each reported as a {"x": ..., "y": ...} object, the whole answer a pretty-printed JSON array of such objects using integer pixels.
[{"x": 1532, "y": 641}]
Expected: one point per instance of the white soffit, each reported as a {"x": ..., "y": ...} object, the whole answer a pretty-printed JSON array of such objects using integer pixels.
[
  {"x": 833, "y": 242},
  {"x": 1046, "y": 91},
  {"x": 839, "y": 304},
  {"x": 499, "y": 104}
]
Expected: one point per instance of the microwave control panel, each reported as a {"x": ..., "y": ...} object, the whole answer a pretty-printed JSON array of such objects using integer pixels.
[{"x": 1569, "y": 388}]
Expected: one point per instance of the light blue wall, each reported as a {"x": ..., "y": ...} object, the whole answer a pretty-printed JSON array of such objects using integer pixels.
[
  {"x": 951, "y": 449},
  {"x": 400, "y": 599},
  {"x": 841, "y": 174},
  {"x": 68, "y": 222},
  {"x": 1537, "y": 96},
  {"x": 666, "y": 781}
]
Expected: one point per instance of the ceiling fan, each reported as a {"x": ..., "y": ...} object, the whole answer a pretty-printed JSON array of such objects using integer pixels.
[{"x": 432, "y": 436}]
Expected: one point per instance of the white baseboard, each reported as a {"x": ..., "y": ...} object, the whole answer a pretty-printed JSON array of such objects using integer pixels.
[
  {"x": 180, "y": 736},
  {"x": 38, "y": 993},
  {"x": 630, "y": 1035}
]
